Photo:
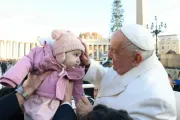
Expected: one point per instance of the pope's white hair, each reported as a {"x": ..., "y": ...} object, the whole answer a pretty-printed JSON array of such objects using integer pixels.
[{"x": 133, "y": 48}]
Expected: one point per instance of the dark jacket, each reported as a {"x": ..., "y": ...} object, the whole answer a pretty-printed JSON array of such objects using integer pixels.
[
  {"x": 10, "y": 109},
  {"x": 4, "y": 66},
  {"x": 176, "y": 88}
]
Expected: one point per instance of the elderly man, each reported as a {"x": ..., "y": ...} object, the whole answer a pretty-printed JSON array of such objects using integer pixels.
[{"x": 137, "y": 82}]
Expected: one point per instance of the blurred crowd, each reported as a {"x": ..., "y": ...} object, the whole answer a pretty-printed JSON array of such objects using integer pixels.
[{"x": 6, "y": 64}]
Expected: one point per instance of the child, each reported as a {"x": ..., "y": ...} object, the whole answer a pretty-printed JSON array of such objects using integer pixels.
[{"x": 62, "y": 57}]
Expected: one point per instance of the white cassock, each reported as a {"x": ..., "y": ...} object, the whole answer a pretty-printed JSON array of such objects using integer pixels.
[
  {"x": 177, "y": 95},
  {"x": 144, "y": 91}
]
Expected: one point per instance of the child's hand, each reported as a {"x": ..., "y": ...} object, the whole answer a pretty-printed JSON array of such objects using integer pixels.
[{"x": 68, "y": 93}]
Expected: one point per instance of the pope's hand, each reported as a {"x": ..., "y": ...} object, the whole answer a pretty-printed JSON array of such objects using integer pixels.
[{"x": 85, "y": 59}]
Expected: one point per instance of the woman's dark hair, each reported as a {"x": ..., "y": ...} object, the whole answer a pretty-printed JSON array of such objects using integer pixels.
[{"x": 101, "y": 112}]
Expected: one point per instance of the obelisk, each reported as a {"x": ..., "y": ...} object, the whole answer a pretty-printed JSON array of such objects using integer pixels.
[{"x": 141, "y": 12}]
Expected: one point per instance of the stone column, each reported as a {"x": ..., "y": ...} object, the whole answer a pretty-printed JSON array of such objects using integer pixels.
[
  {"x": 21, "y": 49},
  {"x": 4, "y": 50},
  {"x": 11, "y": 50},
  {"x": 107, "y": 46},
  {"x": 24, "y": 48},
  {"x": 102, "y": 48},
  {"x": 141, "y": 12},
  {"x": 97, "y": 52},
  {"x": 15, "y": 50},
  {"x": 1, "y": 48},
  {"x": 27, "y": 48},
  {"x": 32, "y": 45},
  {"x": 92, "y": 51},
  {"x": 7, "y": 49}
]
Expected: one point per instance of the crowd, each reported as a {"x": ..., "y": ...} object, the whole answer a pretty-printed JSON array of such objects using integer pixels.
[
  {"x": 136, "y": 87},
  {"x": 6, "y": 64}
]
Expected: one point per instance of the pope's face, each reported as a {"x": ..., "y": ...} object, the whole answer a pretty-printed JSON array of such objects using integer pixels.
[{"x": 121, "y": 57}]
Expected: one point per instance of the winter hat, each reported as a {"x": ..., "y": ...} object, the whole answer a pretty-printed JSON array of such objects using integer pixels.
[{"x": 65, "y": 41}]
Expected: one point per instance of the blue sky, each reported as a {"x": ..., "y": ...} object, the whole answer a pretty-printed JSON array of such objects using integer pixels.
[{"x": 26, "y": 19}]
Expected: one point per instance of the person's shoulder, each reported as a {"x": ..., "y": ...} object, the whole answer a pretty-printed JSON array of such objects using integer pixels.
[
  {"x": 155, "y": 74},
  {"x": 153, "y": 83}
]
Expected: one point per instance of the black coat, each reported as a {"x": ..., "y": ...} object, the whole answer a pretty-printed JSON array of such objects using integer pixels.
[
  {"x": 10, "y": 109},
  {"x": 3, "y": 66},
  {"x": 176, "y": 88}
]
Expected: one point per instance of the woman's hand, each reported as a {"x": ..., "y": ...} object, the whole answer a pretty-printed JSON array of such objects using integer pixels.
[
  {"x": 83, "y": 107},
  {"x": 68, "y": 93},
  {"x": 31, "y": 84}
]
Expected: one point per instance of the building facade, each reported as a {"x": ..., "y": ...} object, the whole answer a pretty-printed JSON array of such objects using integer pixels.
[
  {"x": 97, "y": 48},
  {"x": 169, "y": 42},
  {"x": 9, "y": 49}
]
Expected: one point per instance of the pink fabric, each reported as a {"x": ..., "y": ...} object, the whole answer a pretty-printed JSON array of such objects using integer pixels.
[
  {"x": 41, "y": 108},
  {"x": 39, "y": 60},
  {"x": 17, "y": 73}
]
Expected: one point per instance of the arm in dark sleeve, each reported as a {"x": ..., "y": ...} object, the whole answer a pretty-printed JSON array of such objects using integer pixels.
[
  {"x": 65, "y": 112},
  {"x": 5, "y": 91},
  {"x": 9, "y": 106}
]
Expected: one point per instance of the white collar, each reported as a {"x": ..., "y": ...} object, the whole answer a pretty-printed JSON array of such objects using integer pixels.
[{"x": 139, "y": 70}]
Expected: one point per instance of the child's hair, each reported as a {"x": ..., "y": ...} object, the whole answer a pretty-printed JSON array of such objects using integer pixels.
[{"x": 101, "y": 112}]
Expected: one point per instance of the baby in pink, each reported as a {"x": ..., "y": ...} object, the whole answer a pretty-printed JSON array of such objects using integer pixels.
[{"x": 62, "y": 57}]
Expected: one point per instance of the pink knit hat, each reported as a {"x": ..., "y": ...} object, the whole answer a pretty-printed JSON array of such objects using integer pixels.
[{"x": 65, "y": 41}]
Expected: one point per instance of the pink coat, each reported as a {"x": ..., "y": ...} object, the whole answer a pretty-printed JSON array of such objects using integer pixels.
[{"x": 39, "y": 60}]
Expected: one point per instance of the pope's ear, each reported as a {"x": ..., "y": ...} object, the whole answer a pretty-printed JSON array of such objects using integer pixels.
[
  {"x": 138, "y": 59},
  {"x": 44, "y": 41}
]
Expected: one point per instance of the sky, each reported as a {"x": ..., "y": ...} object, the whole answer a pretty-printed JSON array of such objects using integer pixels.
[{"x": 27, "y": 19}]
